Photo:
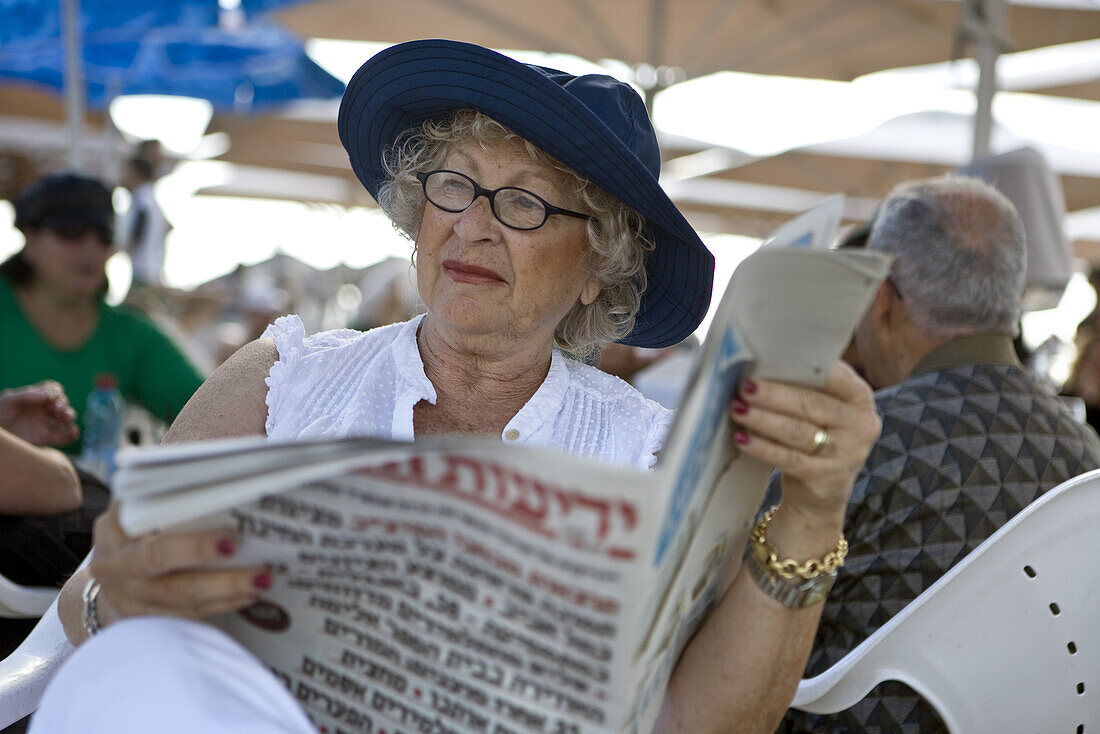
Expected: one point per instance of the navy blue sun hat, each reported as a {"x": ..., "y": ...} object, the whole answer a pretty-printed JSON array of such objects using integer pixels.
[{"x": 594, "y": 124}]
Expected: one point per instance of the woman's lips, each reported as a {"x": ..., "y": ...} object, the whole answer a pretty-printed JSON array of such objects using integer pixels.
[{"x": 461, "y": 272}]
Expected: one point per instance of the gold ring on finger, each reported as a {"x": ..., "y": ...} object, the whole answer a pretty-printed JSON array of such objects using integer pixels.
[{"x": 821, "y": 440}]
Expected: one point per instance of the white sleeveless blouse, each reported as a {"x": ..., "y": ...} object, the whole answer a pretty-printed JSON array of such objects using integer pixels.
[{"x": 353, "y": 383}]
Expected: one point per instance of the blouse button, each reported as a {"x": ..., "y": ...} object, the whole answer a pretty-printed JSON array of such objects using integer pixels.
[{"x": 511, "y": 434}]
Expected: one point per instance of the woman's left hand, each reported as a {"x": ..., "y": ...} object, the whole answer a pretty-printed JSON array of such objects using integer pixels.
[{"x": 818, "y": 439}]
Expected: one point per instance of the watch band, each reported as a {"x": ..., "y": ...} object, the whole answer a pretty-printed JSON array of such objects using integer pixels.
[
  {"x": 90, "y": 613},
  {"x": 795, "y": 593}
]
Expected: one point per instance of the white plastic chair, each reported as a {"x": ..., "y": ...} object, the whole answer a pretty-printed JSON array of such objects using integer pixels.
[
  {"x": 141, "y": 428},
  {"x": 26, "y": 671},
  {"x": 24, "y": 602},
  {"x": 1006, "y": 641}
]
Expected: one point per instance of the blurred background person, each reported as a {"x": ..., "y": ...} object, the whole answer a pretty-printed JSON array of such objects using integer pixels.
[
  {"x": 659, "y": 374},
  {"x": 37, "y": 478},
  {"x": 1089, "y": 327},
  {"x": 260, "y": 301},
  {"x": 54, "y": 321},
  {"x": 1084, "y": 381},
  {"x": 39, "y": 413},
  {"x": 143, "y": 228},
  {"x": 389, "y": 294},
  {"x": 47, "y": 506}
]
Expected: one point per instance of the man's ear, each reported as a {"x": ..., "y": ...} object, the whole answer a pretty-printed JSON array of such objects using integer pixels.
[{"x": 885, "y": 309}]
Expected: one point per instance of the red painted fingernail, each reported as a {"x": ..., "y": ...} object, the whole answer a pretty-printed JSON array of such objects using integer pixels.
[
  {"x": 740, "y": 407},
  {"x": 742, "y": 438},
  {"x": 227, "y": 547},
  {"x": 749, "y": 387},
  {"x": 262, "y": 580}
]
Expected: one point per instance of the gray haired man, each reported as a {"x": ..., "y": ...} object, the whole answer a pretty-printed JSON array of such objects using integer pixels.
[{"x": 969, "y": 437}]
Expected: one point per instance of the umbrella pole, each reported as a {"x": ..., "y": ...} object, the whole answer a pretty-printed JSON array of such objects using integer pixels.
[
  {"x": 74, "y": 82},
  {"x": 984, "y": 23}
]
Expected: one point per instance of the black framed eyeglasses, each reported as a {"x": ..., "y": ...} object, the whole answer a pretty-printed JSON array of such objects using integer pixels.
[{"x": 513, "y": 207}]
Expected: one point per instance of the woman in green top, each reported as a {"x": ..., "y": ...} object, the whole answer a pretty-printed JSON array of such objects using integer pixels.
[{"x": 54, "y": 323}]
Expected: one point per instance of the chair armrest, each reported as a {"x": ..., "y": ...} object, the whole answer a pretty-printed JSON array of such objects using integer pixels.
[
  {"x": 25, "y": 673},
  {"x": 24, "y": 602}
]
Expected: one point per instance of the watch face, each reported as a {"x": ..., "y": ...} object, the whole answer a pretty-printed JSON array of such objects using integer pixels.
[{"x": 816, "y": 593}]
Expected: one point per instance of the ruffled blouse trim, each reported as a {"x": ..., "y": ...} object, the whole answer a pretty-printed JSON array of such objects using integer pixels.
[
  {"x": 289, "y": 334},
  {"x": 658, "y": 431}
]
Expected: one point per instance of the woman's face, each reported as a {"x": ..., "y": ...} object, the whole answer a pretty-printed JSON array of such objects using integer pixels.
[
  {"x": 69, "y": 261},
  {"x": 480, "y": 277}
]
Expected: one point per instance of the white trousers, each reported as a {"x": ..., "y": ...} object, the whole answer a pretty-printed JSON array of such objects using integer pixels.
[{"x": 166, "y": 675}]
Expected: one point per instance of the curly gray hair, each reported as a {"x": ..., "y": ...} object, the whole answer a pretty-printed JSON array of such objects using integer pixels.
[{"x": 617, "y": 238}]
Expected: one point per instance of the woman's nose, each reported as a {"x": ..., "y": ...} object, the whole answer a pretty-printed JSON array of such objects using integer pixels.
[{"x": 477, "y": 222}]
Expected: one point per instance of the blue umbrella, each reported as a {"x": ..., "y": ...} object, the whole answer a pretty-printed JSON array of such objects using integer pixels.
[
  {"x": 173, "y": 47},
  {"x": 24, "y": 20}
]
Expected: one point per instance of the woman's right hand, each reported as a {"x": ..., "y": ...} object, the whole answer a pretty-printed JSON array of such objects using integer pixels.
[
  {"x": 39, "y": 414},
  {"x": 169, "y": 573}
]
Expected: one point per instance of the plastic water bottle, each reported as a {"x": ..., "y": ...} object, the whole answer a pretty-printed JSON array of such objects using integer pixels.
[{"x": 102, "y": 427}]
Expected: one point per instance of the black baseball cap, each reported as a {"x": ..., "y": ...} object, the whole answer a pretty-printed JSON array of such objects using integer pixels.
[{"x": 65, "y": 200}]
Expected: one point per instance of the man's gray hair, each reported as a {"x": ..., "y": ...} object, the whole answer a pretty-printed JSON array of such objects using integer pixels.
[{"x": 960, "y": 255}]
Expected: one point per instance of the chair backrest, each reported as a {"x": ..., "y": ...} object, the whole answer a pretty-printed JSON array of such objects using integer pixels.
[
  {"x": 1006, "y": 641},
  {"x": 24, "y": 602},
  {"x": 26, "y": 671},
  {"x": 140, "y": 427}
]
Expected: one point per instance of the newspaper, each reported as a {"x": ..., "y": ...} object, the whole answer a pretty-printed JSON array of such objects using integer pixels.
[{"x": 461, "y": 585}]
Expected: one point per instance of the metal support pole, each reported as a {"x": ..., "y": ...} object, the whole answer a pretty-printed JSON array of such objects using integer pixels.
[
  {"x": 984, "y": 24},
  {"x": 74, "y": 82},
  {"x": 655, "y": 47}
]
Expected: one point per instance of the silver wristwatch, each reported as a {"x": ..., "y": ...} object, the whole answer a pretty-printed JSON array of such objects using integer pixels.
[
  {"x": 795, "y": 593},
  {"x": 90, "y": 614}
]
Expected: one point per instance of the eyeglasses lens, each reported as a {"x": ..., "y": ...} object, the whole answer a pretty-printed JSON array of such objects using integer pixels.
[
  {"x": 519, "y": 209},
  {"x": 449, "y": 191}
]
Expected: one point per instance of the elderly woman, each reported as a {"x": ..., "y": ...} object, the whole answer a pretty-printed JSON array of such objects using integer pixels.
[{"x": 540, "y": 229}]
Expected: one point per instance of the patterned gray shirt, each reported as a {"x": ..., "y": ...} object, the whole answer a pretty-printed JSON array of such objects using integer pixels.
[{"x": 963, "y": 449}]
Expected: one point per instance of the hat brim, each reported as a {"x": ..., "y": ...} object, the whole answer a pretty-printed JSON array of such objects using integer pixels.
[{"x": 400, "y": 87}]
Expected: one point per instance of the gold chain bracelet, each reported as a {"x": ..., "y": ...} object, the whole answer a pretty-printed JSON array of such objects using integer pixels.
[{"x": 790, "y": 568}]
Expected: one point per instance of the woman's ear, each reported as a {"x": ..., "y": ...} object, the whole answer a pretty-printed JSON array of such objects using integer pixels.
[{"x": 591, "y": 289}]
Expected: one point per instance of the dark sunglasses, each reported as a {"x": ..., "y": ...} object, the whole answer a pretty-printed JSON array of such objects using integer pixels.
[{"x": 76, "y": 231}]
